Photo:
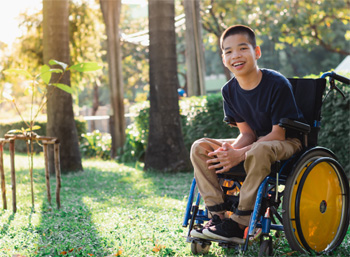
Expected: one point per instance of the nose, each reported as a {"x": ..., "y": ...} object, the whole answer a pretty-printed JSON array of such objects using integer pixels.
[{"x": 236, "y": 55}]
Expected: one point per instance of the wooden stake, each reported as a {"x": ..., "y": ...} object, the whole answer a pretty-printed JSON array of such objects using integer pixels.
[
  {"x": 46, "y": 141},
  {"x": 2, "y": 175},
  {"x": 58, "y": 173},
  {"x": 30, "y": 156},
  {"x": 13, "y": 174},
  {"x": 47, "y": 173}
]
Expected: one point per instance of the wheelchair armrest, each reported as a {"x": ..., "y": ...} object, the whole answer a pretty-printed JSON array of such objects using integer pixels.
[{"x": 295, "y": 125}]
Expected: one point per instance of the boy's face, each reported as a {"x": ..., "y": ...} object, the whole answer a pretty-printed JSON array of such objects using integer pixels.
[{"x": 239, "y": 56}]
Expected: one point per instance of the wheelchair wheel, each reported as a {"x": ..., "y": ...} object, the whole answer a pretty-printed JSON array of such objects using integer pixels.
[
  {"x": 316, "y": 203},
  {"x": 200, "y": 248},
  {"x": 266, "y": 248}
]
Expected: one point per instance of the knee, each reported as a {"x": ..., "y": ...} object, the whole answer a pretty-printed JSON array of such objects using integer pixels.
[
  {"x": 261, "y": 151},
  {"x": 198, "y": 146}
]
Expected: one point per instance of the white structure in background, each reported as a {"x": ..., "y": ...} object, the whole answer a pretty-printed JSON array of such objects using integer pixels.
[
  {"x": 142, "y": 37},
  {"x": 344, "y": 65}
]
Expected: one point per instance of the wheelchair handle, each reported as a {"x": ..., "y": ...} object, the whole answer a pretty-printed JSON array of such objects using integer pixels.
[{"x": 336, "y": 76}]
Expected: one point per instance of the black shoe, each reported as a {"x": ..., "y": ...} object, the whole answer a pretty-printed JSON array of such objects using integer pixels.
[
  {"x": 228, "y": 230},
  {"x": 198, "y": 232}
]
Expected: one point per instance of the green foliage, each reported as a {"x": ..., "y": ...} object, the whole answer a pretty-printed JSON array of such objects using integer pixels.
[
  {"x": 20, "y": 146},
  {"x": 136, "y": 134},
  {"x": 96, "y": 144},
  {"x": 200, "y": 116},
  {"x": 335, "y": 130},
  {"x": 204, "y": 118}
]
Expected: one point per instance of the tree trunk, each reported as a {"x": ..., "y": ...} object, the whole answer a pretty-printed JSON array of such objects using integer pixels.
[
  {"x": 95, "y": 105},
  {"x": 166, "y": 150},
  {"x": 111, "y": 15},
  {"x": 60, "y": 116},
  {"x": 194, "y": 49}
]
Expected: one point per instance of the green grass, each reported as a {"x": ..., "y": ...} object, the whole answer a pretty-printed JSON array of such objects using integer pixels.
[{"x": 110, "y": 209}]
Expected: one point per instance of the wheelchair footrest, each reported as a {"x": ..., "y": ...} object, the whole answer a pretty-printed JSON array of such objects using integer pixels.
[{"x": 224, "y": 244}]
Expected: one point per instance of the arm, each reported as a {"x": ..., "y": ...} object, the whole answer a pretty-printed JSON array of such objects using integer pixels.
[
  {"x": 229, "y": 156},
  {"x": 277, "y": 133},
  {"x": 246, "y": 136}
]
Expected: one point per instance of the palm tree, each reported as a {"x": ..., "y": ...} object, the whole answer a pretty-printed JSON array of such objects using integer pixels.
[
  {"x": 166, "y": 150},
  {"x": 111, "y": 15},
  {"x": 60, "y": 116},
  {"x": 194, "y": 49}
]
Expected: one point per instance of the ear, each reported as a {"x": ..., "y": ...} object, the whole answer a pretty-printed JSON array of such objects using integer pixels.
[
  {"x": 257, "y": 52},
  {"x": 223, "y": 60}
]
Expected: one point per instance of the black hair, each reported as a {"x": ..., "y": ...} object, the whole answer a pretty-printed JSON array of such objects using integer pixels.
[{"x": 238, "y": 29}]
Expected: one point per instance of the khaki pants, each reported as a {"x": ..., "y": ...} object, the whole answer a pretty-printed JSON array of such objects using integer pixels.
[{"x": 257, "y": 166}]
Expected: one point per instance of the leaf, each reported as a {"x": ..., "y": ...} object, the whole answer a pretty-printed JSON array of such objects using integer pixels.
[
  {"x": 86, "y": 66},
  {"x": 62, "y": 64},
  {"x": 120, "y": 251},
  {"x": 36, "y": 127},
  {"x": 45, "y": 73},
  {"x": 157, "y": 248},
  {"x": 14, "y": 131},
  {"x": 63, "y": 87},
  {"x": 56, "y": 70},
  {"x": 19, "y": 72},
  {"x": 63, "y": 253}
]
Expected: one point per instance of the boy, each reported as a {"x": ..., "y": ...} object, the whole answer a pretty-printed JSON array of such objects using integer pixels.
[{"x": 256, "y": 99}]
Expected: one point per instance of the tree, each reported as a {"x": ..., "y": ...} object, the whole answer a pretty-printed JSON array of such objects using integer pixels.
[
  {"x": 166, "y": 150},
  {"x": 111, "y": 15},
  {"x": 60, "y": 116},
  {"x": 194, "y": 49},
  {"x": 308, "y": 23},
  {"x": 297, "y": 24}
]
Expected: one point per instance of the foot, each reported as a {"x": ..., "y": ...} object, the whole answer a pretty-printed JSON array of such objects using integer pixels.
[
  {"x": 198, "y": 232},
  {"x": 227, "y": 230}
]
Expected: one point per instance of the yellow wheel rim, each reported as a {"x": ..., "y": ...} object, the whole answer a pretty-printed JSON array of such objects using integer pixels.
[{"x": 320, "y": 206}]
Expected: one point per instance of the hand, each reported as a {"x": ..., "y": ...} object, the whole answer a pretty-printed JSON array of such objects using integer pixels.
[{"x": 225, "y": 158}]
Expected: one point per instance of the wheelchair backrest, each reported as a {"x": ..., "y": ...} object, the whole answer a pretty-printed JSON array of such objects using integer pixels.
[{"x": 308, "y": 95}]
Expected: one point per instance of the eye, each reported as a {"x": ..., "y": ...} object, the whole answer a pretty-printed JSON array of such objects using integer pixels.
[
  {"x": 227, "y": 52},
  {"x": 244, "y": 48}
]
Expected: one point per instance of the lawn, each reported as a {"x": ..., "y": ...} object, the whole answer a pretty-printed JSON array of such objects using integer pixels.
[{"x": 110, "y": 209}]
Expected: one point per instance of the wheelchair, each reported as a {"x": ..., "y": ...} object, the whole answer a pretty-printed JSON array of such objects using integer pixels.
[{"x": 306, "y": 196}]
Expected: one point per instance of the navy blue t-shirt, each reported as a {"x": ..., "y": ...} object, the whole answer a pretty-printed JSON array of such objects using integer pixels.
[{"x": 263, "y": 106}]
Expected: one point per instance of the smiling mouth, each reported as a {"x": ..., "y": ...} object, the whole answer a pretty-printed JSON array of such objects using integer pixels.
[{"x": 238, "y": 64}]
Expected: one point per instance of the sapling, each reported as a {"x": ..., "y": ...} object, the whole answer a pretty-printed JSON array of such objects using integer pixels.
[{"x": 38, "y": 86}]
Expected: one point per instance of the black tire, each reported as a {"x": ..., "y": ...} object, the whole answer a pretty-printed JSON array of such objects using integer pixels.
[
  {"x": 200, "y": 248},
  {"x": 306, "y": 211},
  {"x": 266, "y": 247}
]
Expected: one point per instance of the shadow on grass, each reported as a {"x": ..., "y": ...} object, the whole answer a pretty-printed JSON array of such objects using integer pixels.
[
  {"x": 68, "y": 231},
  {"x": 85, "y": 196},
  {"x": 46, "y": 231},
  {"x": 5, "y": 226}
]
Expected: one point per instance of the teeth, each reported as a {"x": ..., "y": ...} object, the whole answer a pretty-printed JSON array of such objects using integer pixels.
[{"x": 237, "y": 64}]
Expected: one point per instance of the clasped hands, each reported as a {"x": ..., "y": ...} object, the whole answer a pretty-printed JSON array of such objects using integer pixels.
[{"x": 224, "y": 158}]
